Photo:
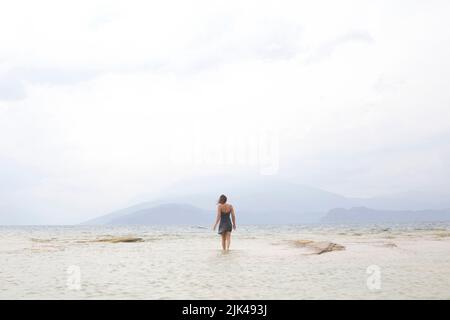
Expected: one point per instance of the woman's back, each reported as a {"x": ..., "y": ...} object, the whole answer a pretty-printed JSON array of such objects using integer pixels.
[{"x": 225, "y": 208}]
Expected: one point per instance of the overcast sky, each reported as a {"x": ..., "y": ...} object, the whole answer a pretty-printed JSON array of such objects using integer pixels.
[{"x": 103, "y": 101}]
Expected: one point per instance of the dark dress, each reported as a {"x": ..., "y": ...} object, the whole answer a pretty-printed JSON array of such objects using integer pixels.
[{"x": 225, "y": 222}]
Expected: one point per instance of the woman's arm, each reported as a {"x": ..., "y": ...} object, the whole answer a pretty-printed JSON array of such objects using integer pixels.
[
  {"x": 233, "y": 217},
  {"x": 217, "y": 218}
]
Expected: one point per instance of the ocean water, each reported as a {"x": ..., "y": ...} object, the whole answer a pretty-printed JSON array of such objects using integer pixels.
[{"x": 265, "y": 262}]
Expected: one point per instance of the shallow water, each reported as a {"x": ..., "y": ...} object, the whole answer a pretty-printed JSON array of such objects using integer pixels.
[{"x": 53, "y": 262}]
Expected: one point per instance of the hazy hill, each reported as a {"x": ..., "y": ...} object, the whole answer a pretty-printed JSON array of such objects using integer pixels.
[
  {"x": 266, "y": 199},
  {"x": 256, "y": 201},
  {"x": 105, "y": 219},
  {"x": 410, "y": 200},
  {"x": 165, "y": 214},
  {"x": 366, "y": 215}
]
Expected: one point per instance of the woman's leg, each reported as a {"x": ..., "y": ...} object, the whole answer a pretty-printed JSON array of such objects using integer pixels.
[
  {"x": 224, "y": 240},
  {"x": 228, "y": 235}
]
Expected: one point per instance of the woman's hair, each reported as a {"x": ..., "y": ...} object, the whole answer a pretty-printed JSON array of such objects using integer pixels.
[{"x": 222, "y": 199}]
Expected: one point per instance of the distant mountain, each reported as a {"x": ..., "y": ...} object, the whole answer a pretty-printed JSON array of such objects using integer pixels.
[
  {"x": 260, "y": 199},
  {"x": 410, "y": 200},
  {"x": 268, "y": 200},
  {"x": 366, "y": 215},
  {"x": 105, "y": 219},
  {"x": 257, "y": 201},
  {"x": 166, "y": 214}
]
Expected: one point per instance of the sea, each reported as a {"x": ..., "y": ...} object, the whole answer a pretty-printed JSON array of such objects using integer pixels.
[{"x": 385, "y": 261}]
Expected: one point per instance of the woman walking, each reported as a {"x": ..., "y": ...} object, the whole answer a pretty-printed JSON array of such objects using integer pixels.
[{"x": 224, "y": 211}]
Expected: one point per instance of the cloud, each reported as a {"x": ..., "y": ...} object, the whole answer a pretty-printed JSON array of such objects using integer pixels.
[
  {"x": 13, "y": 83},
  {"x": 78, "y": 45},
  {"x": 95, "y": 97},
  {"x": 11, "y": 88},
  {"x": 327, "y": 49}
]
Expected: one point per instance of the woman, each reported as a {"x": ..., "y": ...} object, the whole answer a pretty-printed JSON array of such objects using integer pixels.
[{"x": 224, "y": 210}]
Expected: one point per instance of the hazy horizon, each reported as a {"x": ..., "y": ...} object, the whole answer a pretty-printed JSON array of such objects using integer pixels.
[{"x": 103, "y": 104}]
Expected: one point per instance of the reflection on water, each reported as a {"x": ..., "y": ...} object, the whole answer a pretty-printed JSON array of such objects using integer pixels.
[{"x": 265, "y": 262}]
